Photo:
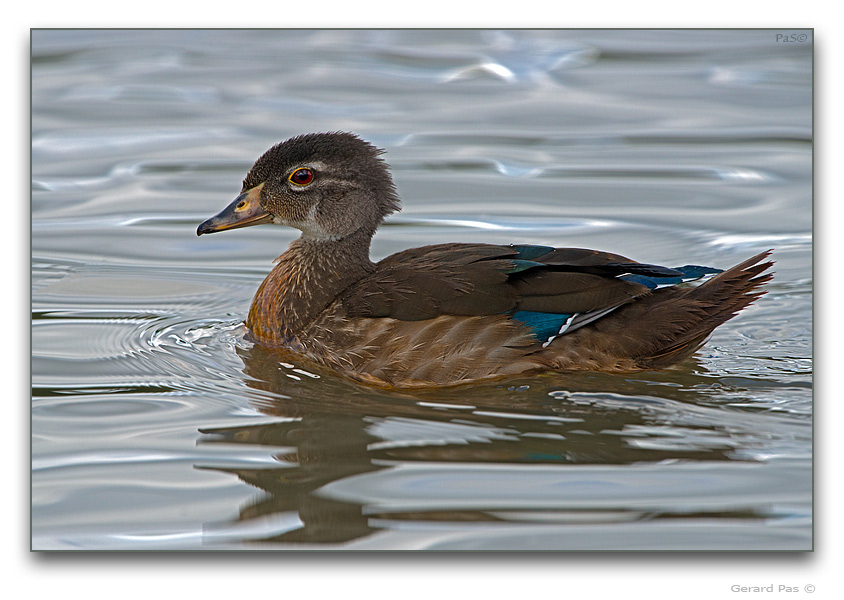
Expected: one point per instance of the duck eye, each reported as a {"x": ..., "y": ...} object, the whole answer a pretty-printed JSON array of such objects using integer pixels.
[{"x": 301, "y": 176}]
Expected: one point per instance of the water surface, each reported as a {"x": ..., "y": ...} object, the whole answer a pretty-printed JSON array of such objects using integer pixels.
[{"x": 156, "y": 425}]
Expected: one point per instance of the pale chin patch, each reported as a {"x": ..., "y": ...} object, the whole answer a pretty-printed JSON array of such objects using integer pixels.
[
  {"x": 316, "y": 233},
  {"x": 310, "y": 231}
]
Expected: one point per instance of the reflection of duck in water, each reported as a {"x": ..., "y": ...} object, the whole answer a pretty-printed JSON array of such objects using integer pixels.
[
  {"x": 348, "y": 455},
  {"x": 453, "y": 313}
]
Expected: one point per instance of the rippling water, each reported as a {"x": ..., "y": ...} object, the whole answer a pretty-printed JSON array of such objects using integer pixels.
[{"x": 155, "y": 425}]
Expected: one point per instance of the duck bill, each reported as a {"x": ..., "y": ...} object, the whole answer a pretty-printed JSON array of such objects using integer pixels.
[{"x": 245, "y": 211}]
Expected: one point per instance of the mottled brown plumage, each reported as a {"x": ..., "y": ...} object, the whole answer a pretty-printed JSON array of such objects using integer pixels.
[{"x": 454, "y": 313}]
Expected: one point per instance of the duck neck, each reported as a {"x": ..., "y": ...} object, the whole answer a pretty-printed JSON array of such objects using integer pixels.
[{"x": 306, "y": 279}]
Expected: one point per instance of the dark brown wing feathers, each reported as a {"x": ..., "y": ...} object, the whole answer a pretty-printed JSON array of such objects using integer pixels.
[{"x": 482, "y": 279}]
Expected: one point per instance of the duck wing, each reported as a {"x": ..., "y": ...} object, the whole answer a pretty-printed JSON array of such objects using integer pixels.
[{"x": 531, "y": 283}]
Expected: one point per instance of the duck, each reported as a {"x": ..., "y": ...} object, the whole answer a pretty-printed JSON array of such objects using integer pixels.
[{"x": 455, "y": 313}]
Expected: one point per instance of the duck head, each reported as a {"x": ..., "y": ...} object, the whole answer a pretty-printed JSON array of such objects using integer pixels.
[{"x": 328, "y": 185}]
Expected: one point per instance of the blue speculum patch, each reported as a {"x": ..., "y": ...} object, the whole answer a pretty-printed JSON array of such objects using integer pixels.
[
  {"x": 690, "y": 273},
  {"x": 543, "y": 325}
]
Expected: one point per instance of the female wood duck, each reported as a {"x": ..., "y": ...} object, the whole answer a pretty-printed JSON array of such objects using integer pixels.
[{"x": 454, "y": 313}]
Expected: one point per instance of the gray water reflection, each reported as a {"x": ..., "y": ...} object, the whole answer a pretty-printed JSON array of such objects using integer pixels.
[{"x": 356, "y": 464}]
